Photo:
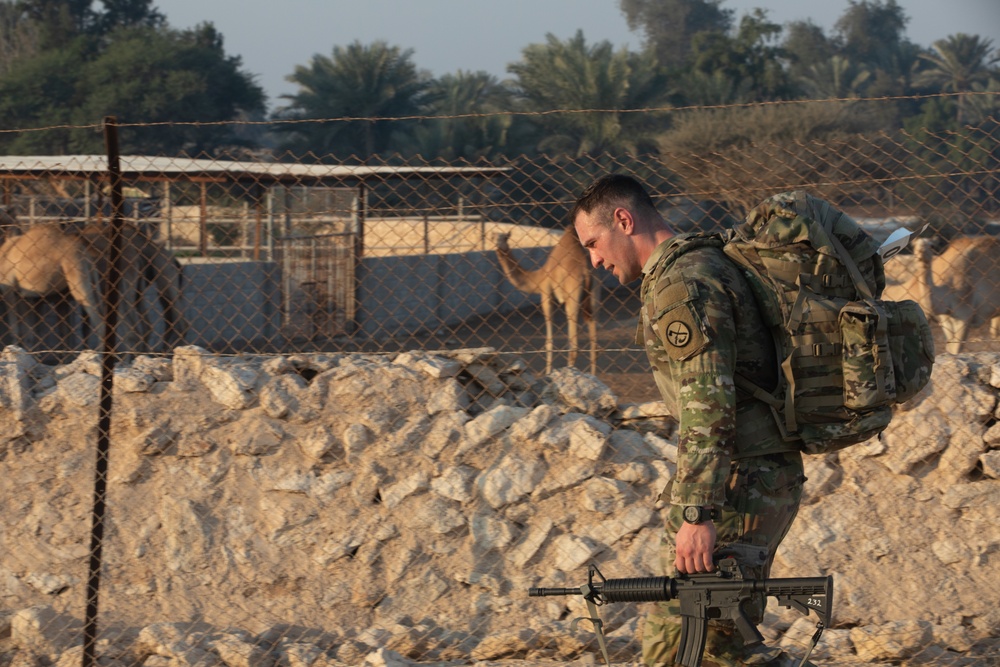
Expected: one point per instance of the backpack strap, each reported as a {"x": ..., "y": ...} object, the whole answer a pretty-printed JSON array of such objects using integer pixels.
[{"x": 861, "y": 285}]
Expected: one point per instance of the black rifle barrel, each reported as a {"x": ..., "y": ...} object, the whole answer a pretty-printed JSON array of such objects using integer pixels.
[
  {"x": 632, "y": 589},
  {"x": 542, "y": 592}
]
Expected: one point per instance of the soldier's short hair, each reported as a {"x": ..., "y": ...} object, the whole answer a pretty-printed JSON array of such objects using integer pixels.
[{"x": 610, "y": 191}]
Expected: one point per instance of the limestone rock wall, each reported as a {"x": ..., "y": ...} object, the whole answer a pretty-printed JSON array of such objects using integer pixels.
[{"x": 343, "y": 509}]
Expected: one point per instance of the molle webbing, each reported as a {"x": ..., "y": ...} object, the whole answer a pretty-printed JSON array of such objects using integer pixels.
[{"x": 816, "y": 275}]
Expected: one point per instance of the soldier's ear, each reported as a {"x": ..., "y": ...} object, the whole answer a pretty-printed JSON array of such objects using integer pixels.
[{"x": 623, "y": 220}]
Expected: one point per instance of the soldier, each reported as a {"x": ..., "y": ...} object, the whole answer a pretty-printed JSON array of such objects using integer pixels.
[{"x": 737, "y": 480}]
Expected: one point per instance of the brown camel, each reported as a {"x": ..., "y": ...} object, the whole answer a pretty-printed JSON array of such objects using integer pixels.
[
  {"x": 958, "y": 288},
  {"x": 565, "y": 277},
  {"x": 47, "y": 259}
]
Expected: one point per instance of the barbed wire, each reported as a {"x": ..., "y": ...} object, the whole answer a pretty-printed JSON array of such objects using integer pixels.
[{"x": 506, "y": 113}]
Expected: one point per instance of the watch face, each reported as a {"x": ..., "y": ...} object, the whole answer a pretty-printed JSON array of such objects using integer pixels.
[{"x": 692, "y": 514}]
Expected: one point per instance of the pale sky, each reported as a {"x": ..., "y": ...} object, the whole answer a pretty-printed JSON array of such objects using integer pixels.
[{"x": 273, "y": 36}]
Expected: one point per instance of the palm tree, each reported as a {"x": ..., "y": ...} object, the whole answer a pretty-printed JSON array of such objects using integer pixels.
[
  {"x": 959, "y": 63},
  {"x": 571, "y": 75},
  {"x": 836, "y": 78},
  {"x": 470, "y": 123},
  {"x": 362, "y": 82}
]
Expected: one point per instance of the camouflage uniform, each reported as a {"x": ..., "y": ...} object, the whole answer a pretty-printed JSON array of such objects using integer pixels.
[{"x": 700, "y": 326}]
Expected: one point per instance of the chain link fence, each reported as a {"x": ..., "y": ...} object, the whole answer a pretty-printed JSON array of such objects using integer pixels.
[{"x": 338, "y": 433}]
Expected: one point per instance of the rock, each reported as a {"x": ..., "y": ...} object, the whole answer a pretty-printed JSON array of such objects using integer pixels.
[
  {"x": 510, "y": 480},
  {"x": 321, "y": 445},
  {"x": 487, "y": 378},
  {"x": 395, "y": 493},
  {"x": 437, "y": 515},
  {"x": 603, "y": 495},
  {"x": 132, "y": 380},
  {"x": 991, "y": 463},
  {"x": 573, "y": 552},
  {"x": 386, "y": 658},
  {"x": 491, "y": 532},
  {"x": 230, "y": 384},
  {"x": 455, "y": 483},
  {"x": 627, "y": 445},
  {"x": 531, "y": 424},
  {"x": 490, "y": 423},
  {"x": 797, "y": 639},
  {"x": 44, "y": 631},
  {"x": 890, "y": 641},
  {"x": 187, "y": 367},
  {"x": 533, "y": 539},
  {"x": 450, "y": 396},
  {"x": 235, "y": 651},
  {"x": 913, "y": 438},
  {"x": 580, "y": 392},
  {"x": 80, "y": 389},
  {"x": 357, "y": 438},
  {"x": 367, "y": 500},
  {"x": 156, "y": 440},
  {"x": 264, "y": 439},
  {"x": 587, "y": 440},
  {"x": 431, "y": 365},
  {"x": 281, "y": 396}
]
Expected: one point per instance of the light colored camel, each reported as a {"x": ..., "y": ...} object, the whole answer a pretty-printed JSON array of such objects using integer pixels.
[
  {"x": 566, "y": 278},
  {"x": 47, "y": 259},
  {"x": 958, "y": 288}
]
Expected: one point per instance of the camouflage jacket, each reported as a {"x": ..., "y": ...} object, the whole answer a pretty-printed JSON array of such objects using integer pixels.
[{"x": 700, "y": 326}]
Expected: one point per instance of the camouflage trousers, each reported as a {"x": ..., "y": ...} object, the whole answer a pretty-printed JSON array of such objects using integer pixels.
[{"x": 762, "y": 499}]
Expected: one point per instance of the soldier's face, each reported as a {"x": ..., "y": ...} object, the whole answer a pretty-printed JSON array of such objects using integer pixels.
[{"x": 610, "y": 248}]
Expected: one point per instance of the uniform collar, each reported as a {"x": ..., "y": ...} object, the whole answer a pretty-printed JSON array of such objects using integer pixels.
[{"x": 659, "y": 252}]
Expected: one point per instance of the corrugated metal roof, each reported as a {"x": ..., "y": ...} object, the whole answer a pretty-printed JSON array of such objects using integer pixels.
[{"x": 165, "y": 168}]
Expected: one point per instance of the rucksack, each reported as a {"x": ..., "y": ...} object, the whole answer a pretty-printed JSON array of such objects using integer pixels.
[{"x": 845, "y": 356}]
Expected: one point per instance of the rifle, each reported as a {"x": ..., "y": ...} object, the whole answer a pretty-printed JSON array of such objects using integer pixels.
[{"x": 713, "y": 595}]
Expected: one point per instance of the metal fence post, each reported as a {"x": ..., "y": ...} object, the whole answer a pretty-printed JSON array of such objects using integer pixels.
[{"x": 112, "y": 280}]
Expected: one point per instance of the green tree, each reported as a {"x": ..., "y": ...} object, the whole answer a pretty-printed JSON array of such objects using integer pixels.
[
  {"x": 958, "y": 64},
  {"x": 571, "y": 75},
  {"x": 365, "y": 82},
  {"x": 58, "y": 21},
  {"x": 42, "y": 92},
  {"x": 872, "y": 35},
  {"x": 143, "y": 75},
  {"x": 752, "y": 58},
  {"x": 149, "y": 76},
  {"x": 127, "y": 14},
  {"x": 470, "y": 124},
  {"x": 19, "y": 37},
  {"x": 671, "y": 25},
  {"x": 805, "y": 45},
  {"x": 836, "y": 78}
]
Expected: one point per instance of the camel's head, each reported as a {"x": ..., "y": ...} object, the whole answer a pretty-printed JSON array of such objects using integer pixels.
[{"x": 502, "y": 242}]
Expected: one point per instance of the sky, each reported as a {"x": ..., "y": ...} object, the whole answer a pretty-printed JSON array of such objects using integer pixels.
[{"x": 273, "y": 36}]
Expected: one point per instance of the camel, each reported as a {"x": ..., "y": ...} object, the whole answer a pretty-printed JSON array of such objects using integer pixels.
[
  {"x": 565, "y": 277},
  {"x": 47, "y": 260},
  {"x": 957, "y": 288}
]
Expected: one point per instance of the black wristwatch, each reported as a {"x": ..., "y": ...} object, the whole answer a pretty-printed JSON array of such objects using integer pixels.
[{"x": 695, "y": 514}]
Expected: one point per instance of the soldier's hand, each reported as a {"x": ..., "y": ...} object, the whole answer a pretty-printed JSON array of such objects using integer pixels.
[{"x": 695, "y": 544}]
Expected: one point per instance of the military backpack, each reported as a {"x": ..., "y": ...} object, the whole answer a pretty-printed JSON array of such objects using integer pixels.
[{"x": 846, "y": 356}]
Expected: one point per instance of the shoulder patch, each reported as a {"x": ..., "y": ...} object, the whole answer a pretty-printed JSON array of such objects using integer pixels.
[{"x": 681, "y": 332}]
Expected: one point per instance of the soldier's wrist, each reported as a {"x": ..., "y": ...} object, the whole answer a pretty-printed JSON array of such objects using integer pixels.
[{"x": 698, "y": 514}]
